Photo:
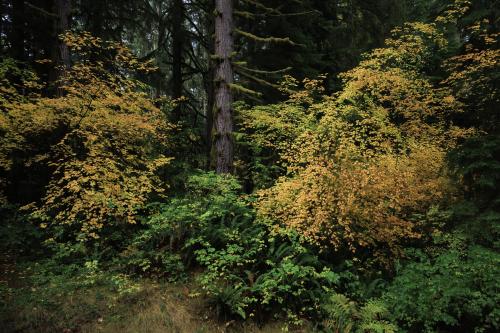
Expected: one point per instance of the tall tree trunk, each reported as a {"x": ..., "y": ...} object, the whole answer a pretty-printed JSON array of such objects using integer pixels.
[
  {"x": 177, "y": 48},
  {"x": 60, "y": 52},
  {"x": 223, "y": 113},
  {"x": 97, "y": 10},
  {"x": 208, "y": 80},
  {"x": 210, "y": 91},
  {"x": 2, "y": 14},
  {"x": 159, "y": 54},
  {"x": 17, "y": 34}
]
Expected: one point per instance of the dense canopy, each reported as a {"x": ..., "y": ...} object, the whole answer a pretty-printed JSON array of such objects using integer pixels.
[{"x": 250, "y": 166}]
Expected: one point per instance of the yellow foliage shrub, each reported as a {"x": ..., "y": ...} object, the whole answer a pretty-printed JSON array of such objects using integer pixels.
[
  {"x": 104, "y": 166},
  {"x": 101, "y": 143},
  {"x": 350, "y": 204},
  {"x": 267, "y": 132},
  {"x": 474, "y": 77},
  {"x": 375, "y": 158}
]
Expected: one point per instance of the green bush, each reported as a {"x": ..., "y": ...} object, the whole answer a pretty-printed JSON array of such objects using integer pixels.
[
  {"x": 264, "y": 275},
  {"x": 477, "y": 164},
  {"x": 18, "y": 234},
  {"x": 457, "y": 291},
  {"x": 248, "y": 270},
  {"x": 176, "y": 228}
]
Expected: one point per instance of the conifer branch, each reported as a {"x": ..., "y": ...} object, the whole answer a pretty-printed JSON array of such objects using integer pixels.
[
  {"x": 260, "y": 71},
  {"x": 270, "y": 39},
  {"x": 239, "y": 88},
  {"x": 257, "y": 79},
  {"x": 259, "y": 5},
  {"x": 41, "y": 10},
  {"x": 244, "y": 14}
]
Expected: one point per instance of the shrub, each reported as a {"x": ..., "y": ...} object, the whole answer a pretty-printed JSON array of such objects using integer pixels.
[
  {"x": 265, "y": 276},
  {"x": 353, "y": 205},
  {"x": 267, "y": 132},
  {"x": 375, "y": 158},
  {"x": 175, "y": 229},
  {"x": 248, "y": 271},
  {"x": 457, "y": 291},
  {"x": 96, "y": 150}
]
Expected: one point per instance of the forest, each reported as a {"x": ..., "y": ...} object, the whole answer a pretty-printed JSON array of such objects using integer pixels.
[{"x": 259, "y": 166}]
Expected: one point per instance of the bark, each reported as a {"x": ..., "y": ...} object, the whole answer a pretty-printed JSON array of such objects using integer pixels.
[
  {"x": 60, "y": 52},
  {"x": 97, "y": 10},
  {"x": 17, "y": 34},
  {"x": 2, "y": 14},
  {"x": 210, "y": 90},
  {"x": 208, "y": 79},
  {"x": 223, "y": 113},
  {"x": 177, "y": 56},
  {"x": 159, "y": 77}
]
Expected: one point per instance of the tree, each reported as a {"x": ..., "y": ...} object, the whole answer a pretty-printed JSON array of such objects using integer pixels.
[
  {"x": 17, "y": 33},
  {"x": 177, "y": 48},
  {"x": 223, "y": 113},
  {"x": 59, "y": 51}
]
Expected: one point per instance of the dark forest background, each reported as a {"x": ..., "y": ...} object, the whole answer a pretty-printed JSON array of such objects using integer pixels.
[{"x": 249, "y": 166}]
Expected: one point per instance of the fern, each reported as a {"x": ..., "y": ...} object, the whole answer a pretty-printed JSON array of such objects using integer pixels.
[
  {"x": 377, "y": 327},
  {"x": 373, "y": 310},
  {"x": 345, "y": 316},
  {"x": 341, "y": 312}
]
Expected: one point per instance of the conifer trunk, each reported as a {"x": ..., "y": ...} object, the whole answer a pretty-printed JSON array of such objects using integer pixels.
[
  {"x": 208, "y": 81},
  {"x": 2, "y": 14},
  {"x": 60, "y": 52},
  {"x": 223, "y": 113},
  {"x": 177, "y": 48},
  {"x": 17, "y": 34}
]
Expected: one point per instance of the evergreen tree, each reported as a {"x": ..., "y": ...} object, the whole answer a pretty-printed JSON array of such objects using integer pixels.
[
  {"x": 223, "y": 112},
  {"x": 59, "y": 53}
]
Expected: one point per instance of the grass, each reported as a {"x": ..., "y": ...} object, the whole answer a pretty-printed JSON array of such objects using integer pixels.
[{"x": 88, "y": 301}]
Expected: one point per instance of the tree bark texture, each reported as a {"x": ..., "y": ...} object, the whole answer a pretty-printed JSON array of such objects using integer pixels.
[
  {"x": 223, "y": 113},
  {"x": 177, "y": 56},
  {"x": 2, "y": 14},
  {"x": 60, "y": 52},
  {"x": 208, "y": 82},
  {"x": 17, "y": 35}
]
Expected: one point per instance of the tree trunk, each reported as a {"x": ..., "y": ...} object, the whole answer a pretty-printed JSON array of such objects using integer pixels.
[
  {"x": 60, "y": 52},
  {"x": 177, "y": 48},
  {"x": 208, "y": 80},
  {"x": 223, "y": 113},
  {"x": 2, "y": 14},
  {"x": 159, "y": 76},
  {"x": 17, "y": 34}
]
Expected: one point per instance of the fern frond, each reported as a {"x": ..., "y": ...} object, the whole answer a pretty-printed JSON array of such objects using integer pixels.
[{"x": 373, "y": 310}]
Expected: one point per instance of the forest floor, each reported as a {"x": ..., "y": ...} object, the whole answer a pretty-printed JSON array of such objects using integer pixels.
[{"x": 89, "y": 303}]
